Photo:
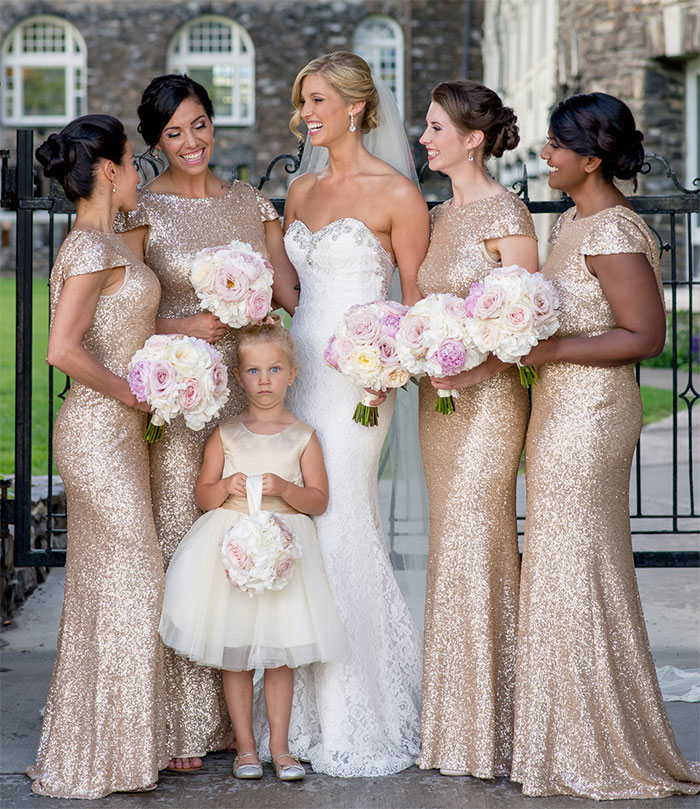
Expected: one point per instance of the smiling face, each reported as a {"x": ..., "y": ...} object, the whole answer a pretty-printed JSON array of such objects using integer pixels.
[
  {"x": 566, "y": 167},
  {"x": 187, "y": 140},
  {"x": 446, "y": 145},
  {"x": 264, "y": 373},
  {"x": 323, "y": 111}
]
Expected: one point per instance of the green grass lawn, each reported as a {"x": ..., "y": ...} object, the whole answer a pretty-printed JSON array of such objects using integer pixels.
[{"x": 657, "y": 403}]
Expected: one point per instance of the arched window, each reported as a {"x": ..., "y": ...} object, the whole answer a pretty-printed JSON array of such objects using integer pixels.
[
  {"x": 379, "y": 41},
  {"x": 43, "y": 70},
  {"x": 219, "y": 54}
]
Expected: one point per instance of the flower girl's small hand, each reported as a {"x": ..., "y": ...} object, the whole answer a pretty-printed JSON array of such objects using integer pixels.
[
  {"x": 235, "y": 484},
  {"x": 273, "y": 484}
]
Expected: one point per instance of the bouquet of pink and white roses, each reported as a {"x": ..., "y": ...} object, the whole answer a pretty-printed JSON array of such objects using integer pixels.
[
  {"x": 363, "y": 348},
  {"x": 234, "y": 282},
  {"x": 510, "y": 311},
  {"x": 177, "y": 375},
  {"x": 259, "y": 552},
  {"x": 434, "y": 339}
]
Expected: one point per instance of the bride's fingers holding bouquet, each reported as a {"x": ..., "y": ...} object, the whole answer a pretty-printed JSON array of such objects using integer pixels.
[{"x": 379, "y": 396}]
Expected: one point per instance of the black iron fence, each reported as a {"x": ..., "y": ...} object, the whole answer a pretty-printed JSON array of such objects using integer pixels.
[{"x": 669, "y": 216}]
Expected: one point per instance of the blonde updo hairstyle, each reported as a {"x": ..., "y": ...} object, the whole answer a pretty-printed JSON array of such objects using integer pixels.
[
  {"x": 350, "y": 76},
  {"x": 256, "y": 334},
  {"x": 470, "y": 106}
]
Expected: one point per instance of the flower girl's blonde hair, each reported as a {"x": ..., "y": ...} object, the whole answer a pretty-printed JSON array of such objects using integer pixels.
[{"x": 267, "y": 333}]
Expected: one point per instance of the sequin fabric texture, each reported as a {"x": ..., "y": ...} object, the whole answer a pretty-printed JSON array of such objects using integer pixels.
[
  {"x": 178, "y": 227},
  {"x": 104, "y": 725},
  {"x": 471, "y": 462},
  {"x": 589, "y": 719}
]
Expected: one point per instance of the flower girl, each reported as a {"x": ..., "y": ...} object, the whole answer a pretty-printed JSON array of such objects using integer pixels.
[{"x": 247, "y": 592}]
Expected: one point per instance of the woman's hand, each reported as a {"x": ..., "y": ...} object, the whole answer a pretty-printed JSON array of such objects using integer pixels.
[
  {"x": 488, "y": 368},
  {"x": 204, "y": 325},
  {"x": 379, "y": 396},
  {"x": 273, "y": 484},
  {"x": 236, "y": 484}
]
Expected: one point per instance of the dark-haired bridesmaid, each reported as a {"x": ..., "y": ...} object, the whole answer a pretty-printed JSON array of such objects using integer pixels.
[
  {"x": 471, "y": 458},
  {"x": 186, "y": 208},
  {"x": 104, "y": 724},
  {"x": 589, "y": 719}
]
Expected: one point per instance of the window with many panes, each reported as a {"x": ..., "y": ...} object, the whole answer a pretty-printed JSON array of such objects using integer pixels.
[
  {"x": 219, "y": 54},
  {"x": 379, "y": 41},
  {"x": 43, "y": 73}
]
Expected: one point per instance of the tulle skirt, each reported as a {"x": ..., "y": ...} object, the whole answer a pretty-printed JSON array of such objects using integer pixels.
[{"x": 216, "y": 624}]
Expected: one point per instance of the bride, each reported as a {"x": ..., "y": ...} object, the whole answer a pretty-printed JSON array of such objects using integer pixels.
[{"x": 347, "y": 226}]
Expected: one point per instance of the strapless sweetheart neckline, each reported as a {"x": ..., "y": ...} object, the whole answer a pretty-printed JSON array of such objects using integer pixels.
[{"x": 319, "y": 232}]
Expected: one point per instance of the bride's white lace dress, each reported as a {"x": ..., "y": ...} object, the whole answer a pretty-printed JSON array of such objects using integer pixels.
[{"x": 359, "y": 717}]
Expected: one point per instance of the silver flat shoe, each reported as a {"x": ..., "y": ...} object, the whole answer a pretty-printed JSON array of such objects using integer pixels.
[
  {"x": 289, "y": 772},
  {"x": 247, "y": 772}
]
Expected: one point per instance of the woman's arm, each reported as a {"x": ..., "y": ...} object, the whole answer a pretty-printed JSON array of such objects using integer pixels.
[
  {"x": 74, "y": 315},
  {"x": 521, "y": 250},
  {"x": 410, "y": 236},
  {"x": 204, "y": 325},
  {"x": 629, "y": 284},
  {"x": 312, "y": 497},
  {"x": 285, "y": 286},
  {"x": 212, "y": 489}
]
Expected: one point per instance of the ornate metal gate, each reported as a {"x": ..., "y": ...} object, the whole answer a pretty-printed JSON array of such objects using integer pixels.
[{"x": 19, "y": 186}]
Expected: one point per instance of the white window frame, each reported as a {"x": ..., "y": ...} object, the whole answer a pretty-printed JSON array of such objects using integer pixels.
[
  {"x": 692, "y": 160},
  {"x": 181, "y": 60},
  {"x": 73, "y": 61},
  {"x": 369, "y": 46}
]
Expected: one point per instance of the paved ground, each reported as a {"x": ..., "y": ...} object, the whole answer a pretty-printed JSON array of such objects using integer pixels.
[{"x": 671, "y": 600}]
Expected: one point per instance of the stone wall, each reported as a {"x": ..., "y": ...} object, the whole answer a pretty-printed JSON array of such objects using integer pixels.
[{"x": 127, "y": 44}]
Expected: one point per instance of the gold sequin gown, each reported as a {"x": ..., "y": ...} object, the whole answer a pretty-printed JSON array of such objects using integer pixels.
[
  {"x": 471, "y": 462},
  {"x": 198, "y": 720},
  {"x": 104, "y": 724},
  {"x": 589, "y": 719}
]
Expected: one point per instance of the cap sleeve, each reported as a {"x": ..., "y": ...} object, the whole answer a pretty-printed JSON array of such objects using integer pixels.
[
  {"x": 266, "y": 209},
  {"x": 619, "y": 230},
  {"x": 510, "y": 217},
  {"x": 130, "y": 220},
  {"x": 84, "y": 252}
]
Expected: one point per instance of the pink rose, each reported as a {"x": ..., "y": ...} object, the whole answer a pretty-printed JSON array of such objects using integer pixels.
[
  {"x": 545, "y": 302},
  {"x": 389, "y": 324},
  {"x": 474, "y": 294},
  {"x": 454, "y": 307},
  {"x": 190, "y": 396},
  {"x": 330, "y": 354},
  {"x": 250, "y": 264},
  {"x": 138, "y": 380},
  {"x": 284, "y": 567},
  {"x": 489, "y": 303},
  {"x": 451, "y": 356},
  {"x": 258, "y": 304},
  {"x": 392, "y": 308},
  {"x": 219, "y": 377},
  {"x": 362, "y": 327},
  {"x": 162, "y": 378},
  {"x": 413, "y": 332},
  {"x": 517, "y": 317},
  {"x": 343, "y": 347},
  {"x": 237, "y": 555},
  {"x": 387, "y": 350},
  {"x": 230, "y": 284}
]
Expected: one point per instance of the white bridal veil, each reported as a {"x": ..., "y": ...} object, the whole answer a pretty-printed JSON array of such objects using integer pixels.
[{"x": 402, "y": 492}]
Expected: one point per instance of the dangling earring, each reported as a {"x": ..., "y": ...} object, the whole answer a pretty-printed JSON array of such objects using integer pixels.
[
  {"x": 352, "y": 122},
  {"x": 114, "y": 188},
  {"x": 471, "y": 157}
]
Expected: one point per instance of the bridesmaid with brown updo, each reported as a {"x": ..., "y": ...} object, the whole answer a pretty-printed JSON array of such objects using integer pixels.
[
  {"x": 471, "y": 457},
  {"x": 186, "y": 208},
  {"x": 104, "y": 724},
  {"x": 589, "y": 718}
]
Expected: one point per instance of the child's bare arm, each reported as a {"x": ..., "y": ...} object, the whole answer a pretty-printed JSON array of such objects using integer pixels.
[
  {"x": 212, "y": 489},
  {"x": 312, "y": 497}
]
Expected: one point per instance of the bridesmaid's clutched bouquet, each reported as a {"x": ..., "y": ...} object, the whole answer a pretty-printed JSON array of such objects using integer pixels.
[
  {"x": 234, "y": 282},
  {"x": 259, "y": 551},
  {"x": 363, "y": 349},
  {"x": 434, "y": 338},
  {"x": 510, "y": 311},
  {"x": 178, "y": 375}
]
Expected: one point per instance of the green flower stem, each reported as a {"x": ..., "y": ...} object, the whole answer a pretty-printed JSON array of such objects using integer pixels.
[
  {"x": 528, "y": 375},
  {"x": 367, "y": 415},
  {"x": 153, "y": 432},
  {"x": 445, "y": 405}
]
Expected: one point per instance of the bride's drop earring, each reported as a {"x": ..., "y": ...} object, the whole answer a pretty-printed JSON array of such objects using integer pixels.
[{"x": 352, "y": 122}]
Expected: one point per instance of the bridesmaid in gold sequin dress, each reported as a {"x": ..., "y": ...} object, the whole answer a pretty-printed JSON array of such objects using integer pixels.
[
  {"x": 104, "y": 724},
  {"x": 183, "y": 210},
  {"x": 589, "y": 719},
  {"x": 471, "y": 457}
]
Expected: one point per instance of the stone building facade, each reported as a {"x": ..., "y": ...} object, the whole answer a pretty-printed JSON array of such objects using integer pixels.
[{"x": 129, "y": 42}]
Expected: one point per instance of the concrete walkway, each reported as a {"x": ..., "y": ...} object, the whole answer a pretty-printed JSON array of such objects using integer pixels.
[{"x": 671, "y": 599}]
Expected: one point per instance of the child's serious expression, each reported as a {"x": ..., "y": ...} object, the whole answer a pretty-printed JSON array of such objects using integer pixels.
[{"x": 264, "y": 373}]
